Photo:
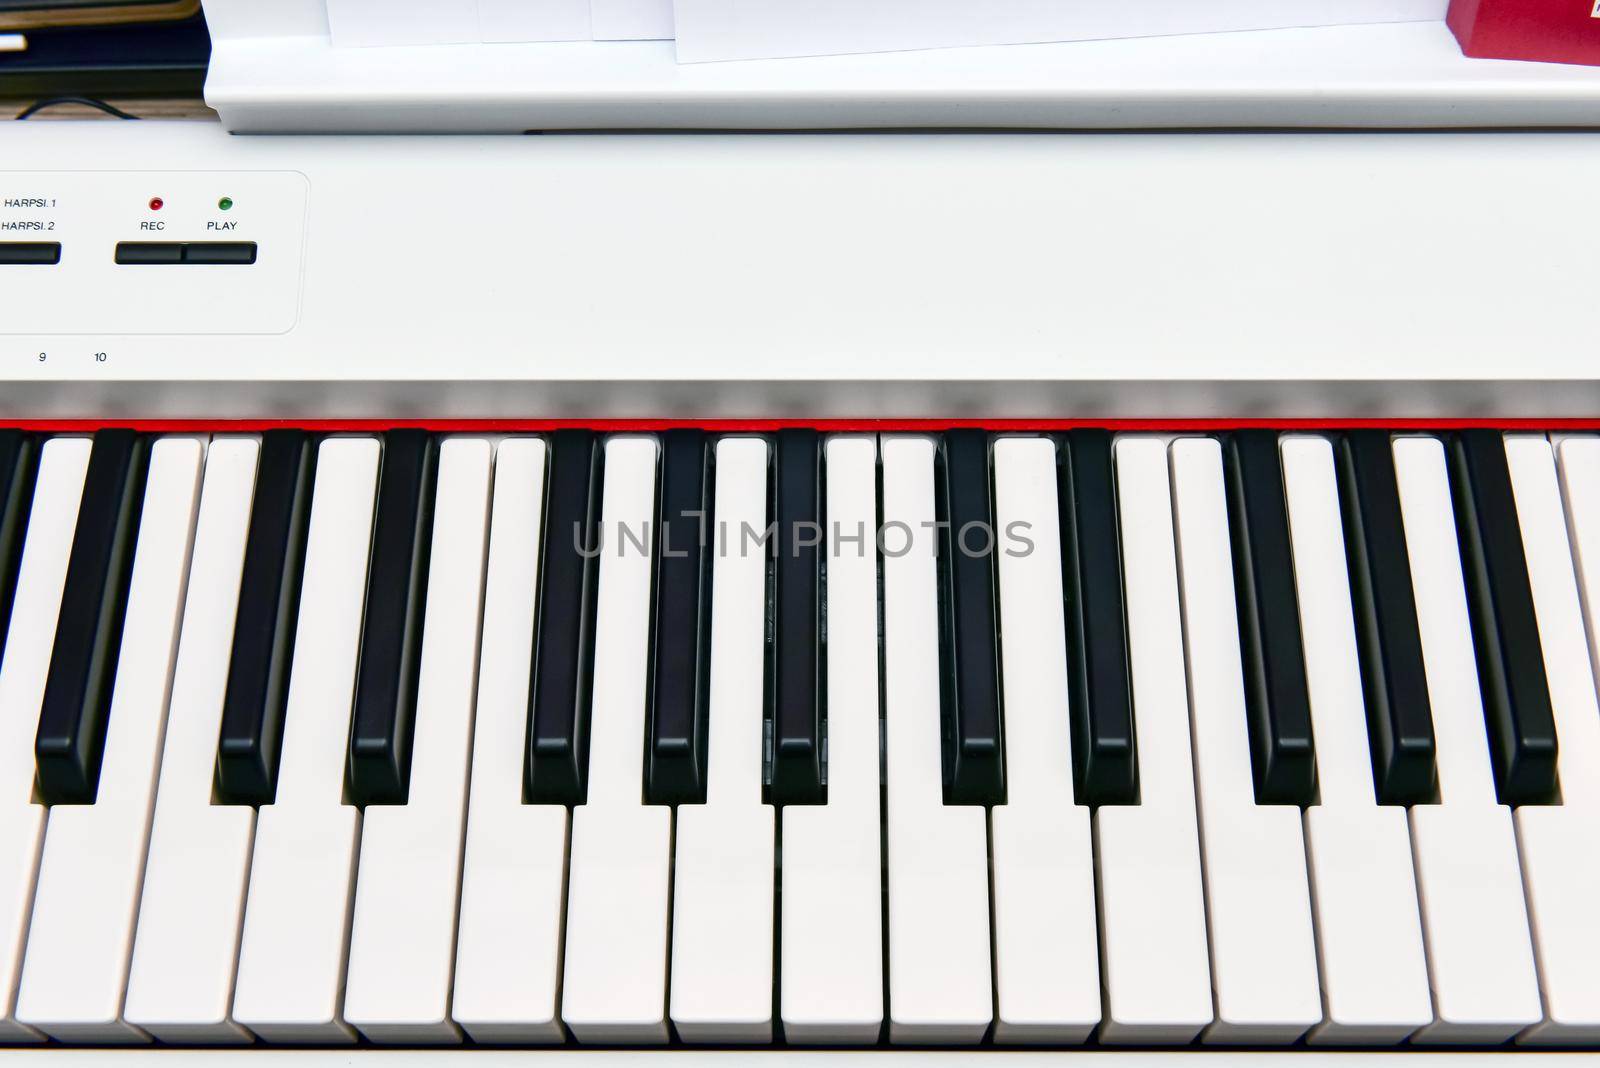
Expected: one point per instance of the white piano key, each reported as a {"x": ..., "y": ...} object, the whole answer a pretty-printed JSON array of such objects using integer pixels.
[
  {"x": 1258, "y": 902},
  {"x": 403, "y": 932},
  {"x": 42, "y": 576},
  {"x": 723, "y": 879},
  {"x": 939, "y": 963},
  {"x": 508, "y": 949},
  {"x": 1047, "y": 974},
  {"x": 76, "y": 969},
  {"x": 296, "y": 920},
  {"x": 1369, "y": 926},
  {"x": 1469, "y": 879},
  {"x": 1155, "y": 965},
  {"x": 1560, "y": 865},
  {"x": 181, "y": 979},
  {"x": 615, "y": 971},
  {"x": 831, "y": 988}
]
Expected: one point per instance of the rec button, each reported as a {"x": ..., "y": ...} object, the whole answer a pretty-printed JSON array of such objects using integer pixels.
[{"x": 150, "y": 252}]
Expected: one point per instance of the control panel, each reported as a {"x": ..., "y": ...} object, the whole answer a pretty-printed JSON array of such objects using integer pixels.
[{"x": 151, "y": 252}]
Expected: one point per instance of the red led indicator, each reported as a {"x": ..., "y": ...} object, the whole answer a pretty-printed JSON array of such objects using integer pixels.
[{"x": 156, "y": 203}]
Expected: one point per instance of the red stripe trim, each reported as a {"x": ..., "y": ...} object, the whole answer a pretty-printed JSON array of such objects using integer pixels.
[{"x": 502, "y": 426}]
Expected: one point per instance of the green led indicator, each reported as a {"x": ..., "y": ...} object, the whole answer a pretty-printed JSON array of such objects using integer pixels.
[{"x": 225, "y": 203}]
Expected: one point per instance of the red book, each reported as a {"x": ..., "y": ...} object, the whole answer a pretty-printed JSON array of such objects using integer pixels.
[{"x": 1553, "y": 31}]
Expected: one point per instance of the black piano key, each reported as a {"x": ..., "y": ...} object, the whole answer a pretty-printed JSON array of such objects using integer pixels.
[
  {"x": 83, "y": 662},
  {"x": 1395, "y": 683},
  {"x": 563, "y": 638},
  {"x": 1505, "y": 631},
  {"x": 1105, "y": 767},
  {"x": 974, "y": 758},
  {"x": 264, "y": 627},
  {"x": 681, "y": 629},
  {"x": 384, "y": 720},
  {"x": 1277, "y": 702},
  {"x": 19, "y": 468},
  {"x": 794, "y": 686}
]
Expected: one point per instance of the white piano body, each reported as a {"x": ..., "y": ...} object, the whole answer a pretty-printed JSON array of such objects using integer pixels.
[{"x": 689, "y": 275}]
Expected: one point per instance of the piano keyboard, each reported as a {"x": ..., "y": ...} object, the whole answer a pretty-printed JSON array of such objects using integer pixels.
[{"x": 801, "y": 737}]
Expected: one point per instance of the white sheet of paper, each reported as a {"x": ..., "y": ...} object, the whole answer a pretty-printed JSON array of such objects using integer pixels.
[
  {"x": 533, "y": 20},
  {"x": 709, "y": 30},
  {"x": 635, "y": 20},
  {"x": 365, "y": 23}
]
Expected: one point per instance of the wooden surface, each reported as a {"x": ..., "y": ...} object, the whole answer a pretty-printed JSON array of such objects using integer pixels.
[
  {"x": 182, "y": 108},
  {"x": 97, "y": 15}
]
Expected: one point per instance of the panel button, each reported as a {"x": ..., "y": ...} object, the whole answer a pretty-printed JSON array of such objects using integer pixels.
[
  {"x": 144, "y": 252},
  {"x": 35, "y": 253},
  {"x": 229, "y": 252}
]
